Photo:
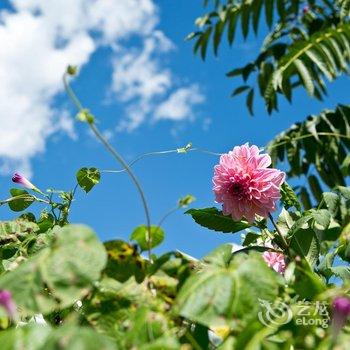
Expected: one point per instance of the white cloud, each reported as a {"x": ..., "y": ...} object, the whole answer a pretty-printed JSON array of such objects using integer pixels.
[
  {"x": 41, "y": 37},
  {"x": 179, "y": 105}
]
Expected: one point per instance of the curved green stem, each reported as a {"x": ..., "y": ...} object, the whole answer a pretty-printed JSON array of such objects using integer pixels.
[
  {"x": 167, "y": 214},
  {"x": 156, "y": 153},
  {"x": 116, "y": 155}
]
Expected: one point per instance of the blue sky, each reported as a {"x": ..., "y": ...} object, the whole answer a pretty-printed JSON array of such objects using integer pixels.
[{"x": 39, "y": 134}]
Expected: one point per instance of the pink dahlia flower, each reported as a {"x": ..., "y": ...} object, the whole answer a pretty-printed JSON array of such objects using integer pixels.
[
  {"x": 245, "y": 185},
  {"x": 275, "y": 260}
]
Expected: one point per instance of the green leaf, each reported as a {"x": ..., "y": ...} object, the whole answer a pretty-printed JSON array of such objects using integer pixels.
[
  {"x": 124, "y": 261},
  {"x": 23, "y": 201},
  {"x": 245, "y": 17},
  {"x": 315, "y": 187},
  {"x": 77, "y": 338},
  {"x": 269, "y": 12},
  {"x": 215, "y": 296},
  {"x": 305, "y": 199},
  {"x": 305, "y": 76},
  {"x": 307, "y": 284},
  {"x": 87, "y": 178},
  {"x": 46, "y": 221},
  {"x": 251, "y": 237},
  {"x": 30, "y": 337},
  {"x": 342, "y": 272},
  {"x": 305, "y": 244},
  {"x": 322, "y": 217},
  {"x": 58, "y": 275},
  {"x": 344, "y": 191},
  {"x": 221, "y": 256},
  {"x": 141, "y": 236},
  {"x": 218, "y": 35},
  {"x": 39, "y": 337},
  {"x": 249, "y": 101},
  {"x": 239, "y": 90},
  {"x": 213, "y": 219},
  {"x": 332, "y": 201},
  {"x": 288, "y": 197}
]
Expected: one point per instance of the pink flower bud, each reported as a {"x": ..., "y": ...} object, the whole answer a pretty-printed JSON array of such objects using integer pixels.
[
  {"x": 7, "y": 303},
  {"x": 341, "y": 312},
  {"x": 22, "y": 180}
]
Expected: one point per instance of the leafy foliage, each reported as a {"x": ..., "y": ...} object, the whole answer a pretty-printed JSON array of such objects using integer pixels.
[
  {"x": 310, "y": 41},
  {"x": 66, "y": 289},
  {"x": 320, "y": 144}
]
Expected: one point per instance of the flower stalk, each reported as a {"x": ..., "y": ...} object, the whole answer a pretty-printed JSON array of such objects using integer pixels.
[
  {"x": 90, "y": 121},
  {"x": 283, "y": 240}
]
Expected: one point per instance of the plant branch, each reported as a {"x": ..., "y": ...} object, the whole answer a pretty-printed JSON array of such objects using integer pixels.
[
  {"x": 116, "y": 155},
  {"x": 284, "y": 242}
]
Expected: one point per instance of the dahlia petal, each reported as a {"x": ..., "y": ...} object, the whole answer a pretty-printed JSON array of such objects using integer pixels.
[{"x": 264, "y": 161}]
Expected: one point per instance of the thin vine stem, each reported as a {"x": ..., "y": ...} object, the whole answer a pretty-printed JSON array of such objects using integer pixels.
[
  {"x": 156, "y": 153},
  {"x": 27, "y": 197},
  {"x": 117, "y": 156}
]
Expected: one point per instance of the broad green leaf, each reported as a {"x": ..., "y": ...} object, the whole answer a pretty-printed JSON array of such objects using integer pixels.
[
  {"x": 307, "y": 284},
  {"x": 146, "y": 239},
  {"x": 58, "y": 275},
  {"x": 77, "y": 338},
  {"x": 322, "y": 217},
  {"x": 215, "y": 296},
  {"x": 305, "y": 244},
  {"x": 21, "y": 199},
  {"x": 220, "y": 256},
  {"x": 30, "y": 337},
  {"x": 149, "y": 330},
  {"x": 124, "y": 261},
  {"x": 87, "y": 178},
  {"x": 46, "y": 221},
  {"x": 332, "y": 201},
  {"x": 286, "y": 221},
  {"x": 213, "y": 219}
]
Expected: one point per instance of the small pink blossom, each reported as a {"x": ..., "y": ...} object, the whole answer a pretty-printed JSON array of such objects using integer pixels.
[
  {"x": 275, "y": 260},
  {"x": 22, "y": 180},
  {"x": 245, "y": 185},
  {"x": 7, "y": 303}
]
